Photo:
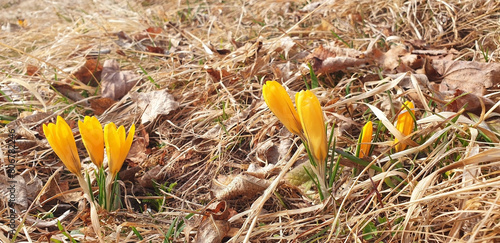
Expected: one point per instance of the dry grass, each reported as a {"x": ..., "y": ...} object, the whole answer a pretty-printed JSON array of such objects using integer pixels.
[{"x": 449, "y": 183}]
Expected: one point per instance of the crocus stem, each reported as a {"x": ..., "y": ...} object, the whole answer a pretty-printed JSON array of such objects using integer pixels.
[{"x": 96, "y": 225}]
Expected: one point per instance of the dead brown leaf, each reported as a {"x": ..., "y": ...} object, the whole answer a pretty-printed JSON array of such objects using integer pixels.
[
  {"x": 150, "y": 32},
  {"x": 331, "y": 59},
  {"x": 155, "y": 174},
  {"x": 116, "y": 83},
  {"x": 68, "y": 91},
  {"x": 155, "y": 49},
  {"x": 89, "y": 73},
  {"x": 14, "y": 188},
  {"x": 471, "y": 102},
  {"x": 212, "y": 231},
  {"x": 472, "y": 77},
  {"x": 243, "y": 185},
  {"x": 100, "y": 105},
  {"x": 32, "y": 70},
  {"x": 138, "y": 151},
  {"x": 154, "y": 104},
  {"x": 397, "y": 60}
]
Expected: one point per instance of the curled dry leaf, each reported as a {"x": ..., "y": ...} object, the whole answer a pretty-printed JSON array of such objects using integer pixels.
[
  {"x": 68, "y": 92},
  {"x": 154, "y": 104},
  {"x": 471, "y": 102},
  {"x": 89, "y": 73},
  {"x": 243, "y": 185},
  {"x": 397, "y": 60},
  {"x": 214, "y": 225},
  {"x": 332, "y": 59},
  {"x": 116, "y": 83},
  {"x": 472, "y": 77}
]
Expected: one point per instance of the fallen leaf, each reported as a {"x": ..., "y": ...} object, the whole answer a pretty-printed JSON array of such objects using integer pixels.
[
  {"x": 151, "y": 176},
  {"x": 471, "y": 102},
  {"x": 397, "y": 60},
  {"x": 243, "y": 185},
  {"x": 14, "y": 188},
  {"x": 214, "y": 225},
  {"x": 68, "y": 91},
  {"x": 138, "y": 151},
  {"x": 116, "y": 83},
  {"x": 212, "y": 231},
  {"x": 150, "y": 32},
  {"x": 155, "y": 49},
  {"x": 100, "y": 105},
  {"x": 219, "y": 75},
  {"x": 154, "y": 103},
  {"x": 472, "y": 77},
  {"x": 89, "y": 73},
  {"x": 298, "y": 176},
  {"x": 129, "y": 173},
  {"x": 331, "y": 59},
  {"x": 32, "y": 70}
]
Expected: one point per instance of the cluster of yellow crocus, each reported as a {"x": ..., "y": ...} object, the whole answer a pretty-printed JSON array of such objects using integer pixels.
[
  {"x": 60, "y": 138},
  {"x": 405, "y": 124},
  {"x": 307, "y": 121},
  {"x": 366, "y": 139}
]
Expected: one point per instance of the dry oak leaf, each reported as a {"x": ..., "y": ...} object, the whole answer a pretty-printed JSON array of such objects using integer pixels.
[
  {"x": 331, "y": 59},
  {"x": 154, "y": 103},
  {"x": 116, "y": 83},
  {"x": 397, "y": 60},
  {"x": 471, "y": 77}
]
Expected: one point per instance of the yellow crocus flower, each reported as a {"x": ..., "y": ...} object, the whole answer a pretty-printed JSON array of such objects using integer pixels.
[
  {"x": 366, "y": 139},
  {"x": 313, "y": 123},
  {"x": 60, "y": 138},
  {"x": 404, "y": 124},
  {"x": 93, "y": 139},
  {"x": 280, "y": 104},
  {"x": 117, "y": 146}
]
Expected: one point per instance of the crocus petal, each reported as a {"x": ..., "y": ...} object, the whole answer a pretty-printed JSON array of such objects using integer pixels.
[
  {"x": 93, "y": 139},
  {"x": 366, "y": 139},
  {"x": 281, "y": 105},
  {"x": 60, "y": 138},
  {"x": 404, "y": 124},
  {"x": 313, "y": 123},
  {"x": 117, "y": 146}
]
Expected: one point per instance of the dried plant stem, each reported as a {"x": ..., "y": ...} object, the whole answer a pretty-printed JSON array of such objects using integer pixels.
[{"x": 94, "y": 217}]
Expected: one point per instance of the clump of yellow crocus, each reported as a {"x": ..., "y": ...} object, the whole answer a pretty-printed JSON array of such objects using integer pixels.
[
  {"x": 62, "y": 141},
  {"x": 366, "y": 138},
  {"x": 93, "y": 139},
  {"x": 60, "y": 138},
  {"x": 280, "y": 104},
  {"x": 117, "y": 146},
  {"x": 405, "y": 124},
  {"x": 307, "y": 122}
]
